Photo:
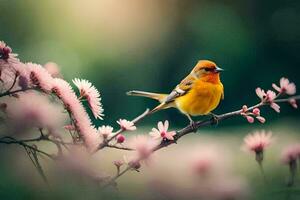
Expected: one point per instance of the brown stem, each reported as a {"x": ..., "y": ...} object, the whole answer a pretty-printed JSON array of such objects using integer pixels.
[
  {"x": 192, "y": 128},
  {"x": 12, "y": 140},
  {"x": 136, "y": 120},
  {"x": 9, "y": 93}
]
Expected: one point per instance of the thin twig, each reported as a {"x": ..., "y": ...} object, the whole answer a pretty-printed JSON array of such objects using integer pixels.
[
  {"x": 23, "y": 143},
  {"x": 121, "y": 130},
  {"x": 9, "y": 93},
  {"x": 192, "y": 128},
  {"x": 120, "y": 147}
]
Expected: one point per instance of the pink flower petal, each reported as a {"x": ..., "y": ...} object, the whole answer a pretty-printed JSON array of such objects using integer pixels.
[
  {"x": 278, "y": 89},
  {"x": 250, "y": 119},
  {"x": 275, "y": 107},
  {"x": 260, "y": 93},
  {"x": 261, "y": 119},
  {"x": 293, "y": 103}
]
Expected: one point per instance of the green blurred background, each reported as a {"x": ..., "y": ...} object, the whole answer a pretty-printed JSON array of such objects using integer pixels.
[{"x": 152, "y": 45}]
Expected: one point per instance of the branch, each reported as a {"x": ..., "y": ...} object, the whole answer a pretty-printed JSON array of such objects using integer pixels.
[
  {"x": 9, "y": 93},
  {"x": 136, "y": 120},
  {"x": 11, "y": 140},
  {"x": 120, "y": 147},
  {"x": 192, "y": 128}
]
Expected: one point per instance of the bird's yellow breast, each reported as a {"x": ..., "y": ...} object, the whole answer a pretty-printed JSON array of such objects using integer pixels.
[{"x": 201, "y": 99}]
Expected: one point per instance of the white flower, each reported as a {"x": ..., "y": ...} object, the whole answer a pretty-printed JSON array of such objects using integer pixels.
[
  {"x": 105, "y": 131},
  {"x": 162, "y": 131},
  {"x": 92, "y": 95},
  {"x": 285, "y": 86},
  {"x": 126, "y": 125}
]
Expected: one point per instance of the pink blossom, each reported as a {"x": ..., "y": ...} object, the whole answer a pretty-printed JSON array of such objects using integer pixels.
[
  {"x": 275, "y": 107},
  {"x": 268, "y": 97},
  {"x": 260, "y": 93},
  {"x": 133, "y": 162},
  {"x": 91, "y": 94},
  {"x": 13, "y": 75},
  {"x": 258, "y": 141},
  {"x": 261, "y": 119},
  {"x": 205, "y": 161},
  {"x": 250, "y": 119},
  {"x": 245, "y": 108},
  {"x": 143, "y": 145},
  {"x": 78, "y": 161},
  {"x": 82, "y": 122},
  {"x": 118, "y": 163},
  {"x": 53, "y": 69},
  {"x": 290, "y": 154},
  {"x": 105, "y": 131},
  {"x": 271, "y": 96},
  {"x": 285, "y": 86},
  {"x": 120, "y": 138},
  {"x": 126, "y": 125},
  {"x": 40, "y": 77},
  {"x": 293, "y": 103},
  {"x": 4, "y": 51},
  {"x": 256, "y": 111},
  {"x": 162, "y": 131},
  {"x": 32, "y": 110}
]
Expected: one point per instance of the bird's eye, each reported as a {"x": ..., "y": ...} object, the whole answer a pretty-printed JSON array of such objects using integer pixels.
[{"x": 208, "y": 69}]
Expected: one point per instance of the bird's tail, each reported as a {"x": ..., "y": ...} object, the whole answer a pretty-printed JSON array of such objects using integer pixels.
[
  {"x": 156, "y": 96},
  {"x": 159, "y": 97}
]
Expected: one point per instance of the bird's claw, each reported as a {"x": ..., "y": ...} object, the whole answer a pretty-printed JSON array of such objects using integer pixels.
[
  {"x": 215, "y": 119},
  {"x": 194, "y": 126}
]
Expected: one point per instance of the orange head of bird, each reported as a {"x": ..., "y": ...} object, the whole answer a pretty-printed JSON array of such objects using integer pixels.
[{"x": 207, "y": 70}]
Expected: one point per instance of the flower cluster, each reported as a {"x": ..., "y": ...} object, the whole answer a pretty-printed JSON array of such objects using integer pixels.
[
  {"x": 91, "y": 94},
  {"x": 257, "y": 143},
  {"x": 250, "y": 115},
  {"x": 36, "y": 97},
  {"x": 161, "y": 132},
  {"x": 126, "y": 125},
  {"x": 21, "y": 77},
  {"x": 270, "y": 96}
]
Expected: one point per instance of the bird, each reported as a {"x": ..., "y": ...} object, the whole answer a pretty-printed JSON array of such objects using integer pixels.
[{"x": 198, "y": 94}]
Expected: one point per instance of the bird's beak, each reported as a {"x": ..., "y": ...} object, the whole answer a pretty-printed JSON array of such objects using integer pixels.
[{"x": 218, "y": 69}]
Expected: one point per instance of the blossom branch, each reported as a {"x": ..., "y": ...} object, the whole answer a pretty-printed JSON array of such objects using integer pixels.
[
  {"x": 192, "y": 128},
  {"x": 11, "y": 140},
  {"x": 121, "y": 130}
]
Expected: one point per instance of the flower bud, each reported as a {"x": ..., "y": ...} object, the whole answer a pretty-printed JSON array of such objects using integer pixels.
[
  {"x": 120, "y": 138},
  {"x": 118, "y": 163},
  {"x": 293, "y": 103},
  {"x": 256, "y": 111},
  {"x": 250, "y": 119},
  {"x": 245, "y": 108},
  {"x": 135, "y": 164},
  {"x": 261, "y": 119}
]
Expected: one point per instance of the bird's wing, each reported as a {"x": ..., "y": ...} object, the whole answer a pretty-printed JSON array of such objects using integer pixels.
[{"x": 182, "y": 88}]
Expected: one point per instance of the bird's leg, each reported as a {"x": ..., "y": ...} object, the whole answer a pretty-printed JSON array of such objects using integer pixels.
[
  {"x": 192, "y": 123},
  {"x": 215, "y": 118}
]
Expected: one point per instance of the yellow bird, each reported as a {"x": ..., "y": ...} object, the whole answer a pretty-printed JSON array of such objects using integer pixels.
[{"x": 197, "y": 94}]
